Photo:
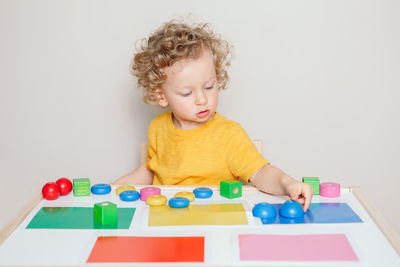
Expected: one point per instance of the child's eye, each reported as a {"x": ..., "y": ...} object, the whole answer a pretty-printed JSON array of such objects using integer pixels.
[
  {"x": 209, "y": 87},
  {"x": 186, "y": 93}
]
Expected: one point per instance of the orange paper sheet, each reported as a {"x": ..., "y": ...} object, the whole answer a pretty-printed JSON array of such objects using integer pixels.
[
  {"x": 147, "y": 249},
  {"x": 210, "y": 214}
]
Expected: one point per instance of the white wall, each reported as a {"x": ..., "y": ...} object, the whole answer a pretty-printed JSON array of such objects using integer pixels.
[{"x": 317, "y": 81}]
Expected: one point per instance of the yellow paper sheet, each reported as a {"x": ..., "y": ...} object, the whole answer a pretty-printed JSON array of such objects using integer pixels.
[{"x": 210, "y": 214}]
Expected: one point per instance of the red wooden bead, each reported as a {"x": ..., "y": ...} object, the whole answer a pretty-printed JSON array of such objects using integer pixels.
[
  {"x": 50, "y": 191},
  {"x": 65, "y": 186}
]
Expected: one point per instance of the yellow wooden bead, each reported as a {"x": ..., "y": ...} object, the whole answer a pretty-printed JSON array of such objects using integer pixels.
[
  {"x": 188, "y": 195},
  {"x": 156, "y": 200},
  {"x": 123, "y": 188}
]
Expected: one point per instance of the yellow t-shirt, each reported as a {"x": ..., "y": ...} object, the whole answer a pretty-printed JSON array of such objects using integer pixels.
[{"x": 218, "y": 150}]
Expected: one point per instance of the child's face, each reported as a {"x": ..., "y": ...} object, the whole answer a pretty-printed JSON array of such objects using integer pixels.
[{"x": 191, "y": 91}]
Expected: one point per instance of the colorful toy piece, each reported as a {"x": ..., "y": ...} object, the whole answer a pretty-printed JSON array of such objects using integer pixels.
[
  {"x": 101, "y": 189},
  {"x": 291, "y": 209},
  {"x": 51, "y": 191},
  {"x": 149, "y": 191},
  {"x": 231, "y": 188},
  {"x": 81, "y": 187},
  {"x": 202, "y": 192},
  {"x": 178, "y": 202},
  {"x": 265, "y": 212},
  {"x": 156, "y": 200},
  {"x": 330, "y": 190},
  {"x": 129, "y": 195},
  {"x": 105, "y": 213},
  {"x": 314, "y": 182},
  {"x": 188, "y": 195},
  {"x": 65, "y": 186},
  {"x": 123, "y": 188}
]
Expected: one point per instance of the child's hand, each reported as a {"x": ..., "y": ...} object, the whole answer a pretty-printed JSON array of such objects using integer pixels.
[
  {"x": 272, "y": 180},
  {"x": 300, "y": 192}
]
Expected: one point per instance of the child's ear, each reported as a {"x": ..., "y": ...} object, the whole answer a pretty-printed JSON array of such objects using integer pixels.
[{"x": 159, "y": 97}]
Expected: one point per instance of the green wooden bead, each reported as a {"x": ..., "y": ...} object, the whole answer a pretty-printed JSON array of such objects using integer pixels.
[
  {"x": 314, "y": 182},
  {"x": 105, "y": 213},
  {"x": 230, "y": 188}
]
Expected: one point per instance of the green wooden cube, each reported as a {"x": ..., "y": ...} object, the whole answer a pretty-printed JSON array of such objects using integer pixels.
[
  {"x": 81, "y": 187},
  {"x": 230, "y": 188},
  {"x": 105, "y": 213},
  {"x": 314, "y": 182}
]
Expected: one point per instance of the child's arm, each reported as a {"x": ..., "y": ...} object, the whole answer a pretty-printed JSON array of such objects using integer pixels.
[
  {"x": 273, "y": 180},
  {"x": 140, "y": 176}
]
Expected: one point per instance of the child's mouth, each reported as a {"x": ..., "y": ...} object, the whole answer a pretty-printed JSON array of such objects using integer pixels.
[{"x": 203, "y": 114}]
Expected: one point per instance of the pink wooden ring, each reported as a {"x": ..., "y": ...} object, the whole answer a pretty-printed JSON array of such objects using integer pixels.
[
  {"x": 149, "y": 191},
  {"x": 329, "y": 189}
]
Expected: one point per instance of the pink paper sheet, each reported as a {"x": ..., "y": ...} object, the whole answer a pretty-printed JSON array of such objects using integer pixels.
[{"x": 316, "y": 247}]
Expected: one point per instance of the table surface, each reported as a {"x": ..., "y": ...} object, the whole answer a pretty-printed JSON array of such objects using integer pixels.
[{"x": 373, "y": 240}]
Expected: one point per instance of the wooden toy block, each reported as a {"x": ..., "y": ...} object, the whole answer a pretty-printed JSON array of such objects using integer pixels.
[
  {"x": 314, "y": 182},
  {"x": 81, "y": 187},
  {"x": 230, "y": 188},
  {"x": 105, "y": 213}
]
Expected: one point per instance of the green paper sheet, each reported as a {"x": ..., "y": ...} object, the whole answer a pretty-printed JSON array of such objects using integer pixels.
[{"x": 76, "y": 218}]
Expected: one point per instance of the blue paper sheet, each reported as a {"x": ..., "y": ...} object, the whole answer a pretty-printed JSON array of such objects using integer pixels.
[{"x": 320, "y": 213}]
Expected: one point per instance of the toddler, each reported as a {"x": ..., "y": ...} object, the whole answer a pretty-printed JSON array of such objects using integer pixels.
[{"x": 183, "y": 67}]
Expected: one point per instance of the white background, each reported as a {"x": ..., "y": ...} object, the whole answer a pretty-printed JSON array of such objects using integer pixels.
[{"x": 317, "y": 81}]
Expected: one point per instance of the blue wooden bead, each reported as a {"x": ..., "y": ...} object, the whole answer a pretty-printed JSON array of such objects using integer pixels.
[
  {"x": 203, "y": 192},
  {"x": 291, "y": 209},
  {"x": 265, "y": 212},
  {"x": 178, "y": 202},
  {"x": 101, "y": 189},
  {"x": 129, "y": 195}
]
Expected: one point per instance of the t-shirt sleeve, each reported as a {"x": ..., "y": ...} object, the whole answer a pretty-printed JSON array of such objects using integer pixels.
[{"x": 242, "y": 158}]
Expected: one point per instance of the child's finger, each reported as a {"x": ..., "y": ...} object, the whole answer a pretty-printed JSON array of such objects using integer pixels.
[
  {"x": 294, "y": 196},
  {"x": 300, "y": 200},
  {"x": 307, "y": 202}
]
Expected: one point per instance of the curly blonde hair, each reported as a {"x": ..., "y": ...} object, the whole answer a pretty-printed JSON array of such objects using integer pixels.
[{"x": 172, "y": 42}]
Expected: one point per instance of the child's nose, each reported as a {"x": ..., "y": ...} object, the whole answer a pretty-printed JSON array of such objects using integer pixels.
[{"x": 201, "y": 98}]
